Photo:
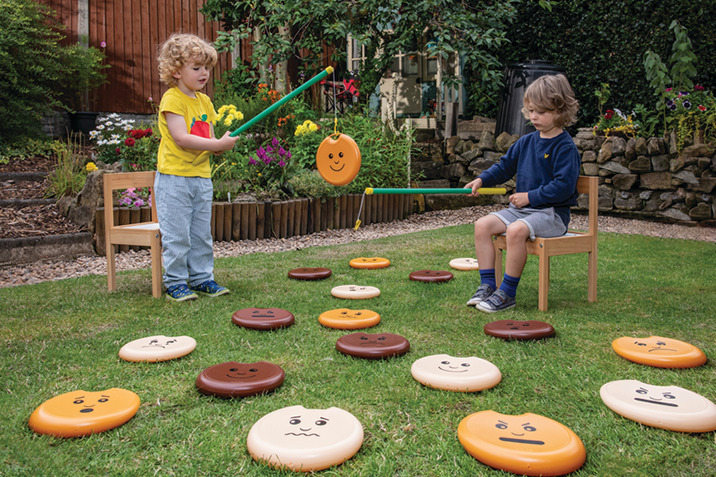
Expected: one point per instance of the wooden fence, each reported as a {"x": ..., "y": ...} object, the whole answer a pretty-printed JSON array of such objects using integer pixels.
[
  {"x": 260, "y": 220},
  {"x": 132, "y": 31}
]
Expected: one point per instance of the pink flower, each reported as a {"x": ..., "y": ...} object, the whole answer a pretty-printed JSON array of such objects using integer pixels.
[
  {"x": 103, "y": 44},
  {"x": 698, "y": 88}
]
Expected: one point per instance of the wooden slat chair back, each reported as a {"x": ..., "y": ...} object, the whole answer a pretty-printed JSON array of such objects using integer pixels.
[
  {"x": 144, "y": 234},
  {"x": 571, "y": 242}
]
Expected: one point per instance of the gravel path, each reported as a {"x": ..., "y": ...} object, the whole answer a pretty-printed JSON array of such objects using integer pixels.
[{"x": 94, "y": 265}]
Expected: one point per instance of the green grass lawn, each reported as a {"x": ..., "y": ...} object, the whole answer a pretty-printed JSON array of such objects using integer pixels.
[{"x": 63, "y": 336}]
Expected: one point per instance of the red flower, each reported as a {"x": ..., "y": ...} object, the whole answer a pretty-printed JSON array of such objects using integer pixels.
[
  {"x": 609, "y": 115},
  {"x": 147, "y": 132},
  {"x": 702, "y": 107},
  {"x": 129, "y": 141},
  {"x": 698, "y": 88}
]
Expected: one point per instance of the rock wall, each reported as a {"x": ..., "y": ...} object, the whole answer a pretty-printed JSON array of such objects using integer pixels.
[{"x": 638, "y": 177}]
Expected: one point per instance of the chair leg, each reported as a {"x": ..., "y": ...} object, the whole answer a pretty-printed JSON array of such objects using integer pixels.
[
  {"x": 592, "y": 277},
  {"x": 156, "y": 258},
  {"x": 111, "y": 270},
  {"x": 543, "y": 282},
  {"x": 498, "y": 265}
]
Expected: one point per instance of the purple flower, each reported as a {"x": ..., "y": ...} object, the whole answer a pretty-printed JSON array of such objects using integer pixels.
[
  {"x": 274, "y": 142},
  {"x": 139, "y": 203},
  {"x": 687, "y": 104},
  {"x": 281, "y": 163},
  {"x": 252, "y": 162}
]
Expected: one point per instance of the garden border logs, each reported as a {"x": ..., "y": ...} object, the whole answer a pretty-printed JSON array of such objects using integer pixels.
[{"x": 282, "y": 219}]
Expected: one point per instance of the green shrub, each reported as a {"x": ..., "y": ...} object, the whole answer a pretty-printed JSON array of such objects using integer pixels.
[
  {"x": 29, "y": 67},
  {"x": 69, "y": 176},
  {"x": 604, "y": 42}
]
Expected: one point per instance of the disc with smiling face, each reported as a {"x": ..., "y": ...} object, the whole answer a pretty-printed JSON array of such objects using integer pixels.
[
  {"x": 373, "y": 345},
  {"x": 232, "y": 379},
  {"x": 431, "y": 276},
  {"x": 442, "y": 371},
  {"x": 519, "y": 329}
]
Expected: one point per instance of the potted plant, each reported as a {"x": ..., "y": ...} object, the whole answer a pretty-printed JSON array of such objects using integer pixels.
[{"x": 83, "y": 72}]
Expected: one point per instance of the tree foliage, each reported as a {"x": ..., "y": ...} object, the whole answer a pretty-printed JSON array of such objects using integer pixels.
[
  {"x": 29, "y": 72},
  {"x": 298, "y": 29},
  {"x": 605, "y": 42}
]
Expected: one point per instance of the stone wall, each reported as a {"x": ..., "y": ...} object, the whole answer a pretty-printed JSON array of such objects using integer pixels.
[{"x": 638, "y": 177}]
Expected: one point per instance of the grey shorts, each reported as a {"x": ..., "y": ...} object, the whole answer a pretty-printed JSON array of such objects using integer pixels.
[{"x": 541, "y": 222}]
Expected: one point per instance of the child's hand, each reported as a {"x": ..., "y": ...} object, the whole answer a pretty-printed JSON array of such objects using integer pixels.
[
  {"x": 226, "y": 143},
  {"x": 474, "y": 185},
  {"x": 520, "y": 199}
]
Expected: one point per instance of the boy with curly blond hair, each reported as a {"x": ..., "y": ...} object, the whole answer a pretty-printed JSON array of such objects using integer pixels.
[
  {"x": 183, "y": 185},
  {"x": 545, "y": 164}
]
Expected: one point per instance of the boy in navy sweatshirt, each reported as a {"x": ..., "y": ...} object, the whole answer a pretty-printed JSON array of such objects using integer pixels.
[{"x": 545, "y": 165}]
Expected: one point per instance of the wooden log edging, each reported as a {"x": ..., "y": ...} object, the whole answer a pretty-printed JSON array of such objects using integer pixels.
[{"x": 282, "y": 219}]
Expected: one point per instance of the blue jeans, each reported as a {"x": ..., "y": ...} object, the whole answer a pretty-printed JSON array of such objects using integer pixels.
[{"x": 184, "y": 213}]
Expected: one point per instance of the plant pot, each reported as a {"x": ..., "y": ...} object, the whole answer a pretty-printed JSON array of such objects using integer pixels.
[{"x": 83, "y": 121}]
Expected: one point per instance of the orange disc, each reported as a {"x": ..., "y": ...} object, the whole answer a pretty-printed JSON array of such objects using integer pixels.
[
  {"x": 369, "y": 263},
  {"x": 659, "y": 352},
  {"x": 345, "y": 319},
  {"x": 338, "y": 160},
  {"x": 81, "y": 413},
  {"x": 527, "y": 444}
]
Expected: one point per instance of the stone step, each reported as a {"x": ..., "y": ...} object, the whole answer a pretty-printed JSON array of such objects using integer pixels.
[
  {"x": 23, "y": 176},
  {"x": 32, "y": 249},
  {"x": 20, "y": 203}
]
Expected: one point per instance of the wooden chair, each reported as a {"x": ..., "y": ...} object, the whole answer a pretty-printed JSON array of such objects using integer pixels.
[
  {"x": 143, "y": 234},
  {"x": 571, "y": 242}
]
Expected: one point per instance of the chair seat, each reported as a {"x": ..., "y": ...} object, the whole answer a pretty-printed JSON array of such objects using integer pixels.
[
  {"x": 569, "y": 243},
  {"x": 144, "y": 226}
]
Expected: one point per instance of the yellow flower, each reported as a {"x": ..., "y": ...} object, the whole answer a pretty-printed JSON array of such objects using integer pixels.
[
  {"x": 227, "y": 121},
  {"x": 239, "y": 115},
  {"x": 223, "y": 109},
  {"x": 91, "y": 167}
]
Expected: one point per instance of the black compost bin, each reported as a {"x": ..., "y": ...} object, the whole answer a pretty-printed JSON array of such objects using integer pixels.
[{"x": 517, "y": 77}]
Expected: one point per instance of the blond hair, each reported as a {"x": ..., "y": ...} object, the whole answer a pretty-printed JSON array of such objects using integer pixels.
[
  {"x": 552, "y": 93},
  {"x": 181, "y": 49}
]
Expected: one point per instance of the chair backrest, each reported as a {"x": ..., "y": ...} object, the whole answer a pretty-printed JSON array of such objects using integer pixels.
[
  {"x": 590, "y": 185},
  {"x": 125, "y": 180}
]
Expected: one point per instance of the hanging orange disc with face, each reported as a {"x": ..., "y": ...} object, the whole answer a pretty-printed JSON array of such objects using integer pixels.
[{"x": 338, "y": 159}]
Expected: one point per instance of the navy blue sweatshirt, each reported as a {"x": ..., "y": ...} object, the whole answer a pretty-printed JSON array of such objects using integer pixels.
[{"x": 547, "y": 169}]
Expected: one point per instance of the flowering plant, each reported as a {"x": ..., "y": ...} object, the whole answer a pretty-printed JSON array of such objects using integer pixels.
[
  {"x": 269, "y": 169},
  {"x": 117, "y": 139},
  {"x": 616, "y": 122},
  {"x": 690, "y": 113},
  {"x": 228, "y": 119},
  {"x": 135, "y": 197},
  {"x": 306, "y": 142}
]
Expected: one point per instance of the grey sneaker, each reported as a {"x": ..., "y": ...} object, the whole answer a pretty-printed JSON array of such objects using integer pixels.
[
  {"x": 483, "y": 293},
  {"x": 498, "y": 301}
]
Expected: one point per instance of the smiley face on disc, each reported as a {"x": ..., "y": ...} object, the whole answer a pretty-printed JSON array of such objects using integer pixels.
[
  {"x": 373, "y": 345},
  {"x": 232, "y": 379},
  {"x": 527, "y": 444},
  {"x": 157, "y": 348},
  {"x": 305, "y": 440},
  {"x": 519, "y": 329},
  {"x": 442, "y": 371},
  {"x": 369, "y": 263},
  {"x": 431, "y": 276},
  {"x": 347, "y": 319},
  {"x": 659, "y": 352},
  {"x": 81, "y": 413},
  {"x": 338, "y": 159},
  {"x": 355, "y": 292},
  {"x": 666, "y": 407}
]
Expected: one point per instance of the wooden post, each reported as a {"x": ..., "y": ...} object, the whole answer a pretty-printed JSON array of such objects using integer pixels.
[
  {"x": 100, "y": 244},
  {"x": 252, "y": 220},
  {"x": 219, "y": 221},
  {"x": 236, "y": 221},
  {"x": 123, "y": 220},
  {"x": 276, "y": 220},
  {"x": 244, "y": 220},
  {"x": 228, "y": 222},
  {"x": 290, "y": 217},
  {"x": 261, "y": 222}
]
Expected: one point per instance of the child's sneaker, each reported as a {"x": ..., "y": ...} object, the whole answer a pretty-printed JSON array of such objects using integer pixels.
[
  {"x": 498, "y": 301},
  {"x": 210, "y": 288},
  {"x": 180, "y": 293},
  {"x": 483, "y": 293}
]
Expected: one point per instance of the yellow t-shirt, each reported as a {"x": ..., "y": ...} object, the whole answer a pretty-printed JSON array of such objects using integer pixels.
[{"x": 198, "y": 114}]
